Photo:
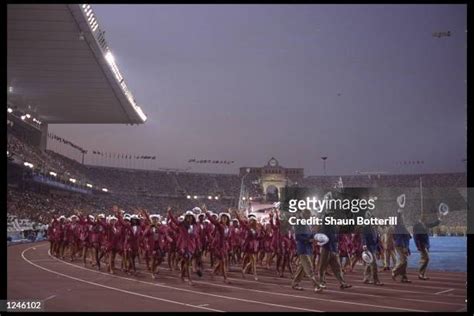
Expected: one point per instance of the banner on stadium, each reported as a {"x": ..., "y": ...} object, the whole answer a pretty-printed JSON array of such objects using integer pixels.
[{"x": 210, "y": 161}]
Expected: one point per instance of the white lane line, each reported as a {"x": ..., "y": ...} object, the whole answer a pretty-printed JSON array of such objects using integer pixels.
[
  {"x": 299, "y": 296},
  {"x": 332, "y": 291},
  {"x": 381, "y": 288},
  {"x": 363, "y": 294},
  {"x": 248, "y": 290},
  {"x": 359, "y": 294},
  {"x": 110, "y": 287},
  {"x": 49, "y": 297},
  {"x": 446, "y": 291},
  {"x": 190, "y": 291}
]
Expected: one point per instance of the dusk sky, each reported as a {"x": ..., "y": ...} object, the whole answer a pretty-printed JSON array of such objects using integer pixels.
[{"x": 365, "y": 85}]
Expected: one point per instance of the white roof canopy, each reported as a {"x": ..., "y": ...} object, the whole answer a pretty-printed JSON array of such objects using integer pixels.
[{"x": 61, "y": 67}]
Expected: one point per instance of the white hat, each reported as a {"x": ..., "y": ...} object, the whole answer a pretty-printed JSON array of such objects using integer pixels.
[
  {"x": 181, "y": 218},
  {"x": 134, "y": 216},
  {"x": 197, "y": 210},
  {"x": 157, "y": 216},
  {"x": 367, "y": 257},
  {"x": 401, "y": 200},
  {"x": 206, "y": 221},
  {"x": 126, "y": 217},
  {"x": 443, "y": 209},
  {"x": 321, "y": 239},
  {"x": 91, "y": 216},
  {"x": 112, "y": 218},
  {"x": 73, "y": 216},
  {"x": 62, "y": 217},
  {"x": 101, "y": 216},
  {"x": 190, "y": 213}
]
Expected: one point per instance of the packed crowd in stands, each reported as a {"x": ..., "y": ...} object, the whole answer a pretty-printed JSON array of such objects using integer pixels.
[{"x": 156, "y": 190}]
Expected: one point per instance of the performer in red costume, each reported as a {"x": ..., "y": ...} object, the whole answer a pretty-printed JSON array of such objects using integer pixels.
[
  {"x": 186, "y": 241},
  {"x": 356, "y": 247},
  {"x": 345, "y": 240},
  {"x": 98, "y": 239},
  {"x": 155, "y": 237},
  {"x": 252, "y": 237},
  {"x": 220, "y": 244},
  {"x": 236, "y": 242},
  {"x": 72, "y": 236},
  {"x": 61, "y": 236},
  {"x": 131, "y": 232}
]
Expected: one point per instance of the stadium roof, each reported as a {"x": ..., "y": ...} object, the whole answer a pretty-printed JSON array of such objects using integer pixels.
[{"x": 60, "y": 66}]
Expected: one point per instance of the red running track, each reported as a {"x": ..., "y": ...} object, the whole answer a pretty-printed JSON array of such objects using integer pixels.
[{"x": 66, "y": 286}]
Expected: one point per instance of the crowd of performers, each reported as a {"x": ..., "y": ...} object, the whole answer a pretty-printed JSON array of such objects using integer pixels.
[{"x": 187, "y": 243}]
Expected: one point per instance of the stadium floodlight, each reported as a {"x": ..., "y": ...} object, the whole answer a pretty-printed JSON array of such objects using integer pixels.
[
  {"x": 9, "y": 110},
  {"x": 105, "y": 190},
  {"x": 52, "y": 173},
  {"x": 72, "y": 180},
  {"x": 140, "y": 113},
  {"x": 216, "y": 197},
  {"x": 195, "y": 197},
  {"x": 23, "y": 117},
  {"x": 188, "y": 197},
  {"x": 29, "y": 165},
  {"x": 209, "y": 197},
  {"x": 88, "y": 185},
  {"x": 243, "y": 198},
  {"x": 250, "y": 199},
  {"x": 28, "y": 116},
  {"x": 10, "y": 89},
  {"x": 110, "y": 58}
]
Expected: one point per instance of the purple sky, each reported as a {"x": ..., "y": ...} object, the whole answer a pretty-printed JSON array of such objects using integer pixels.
[{"x": 245, "y": 83}]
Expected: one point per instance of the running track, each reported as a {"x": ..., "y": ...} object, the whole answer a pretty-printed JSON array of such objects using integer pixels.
[{"x": 65, "y": 286}]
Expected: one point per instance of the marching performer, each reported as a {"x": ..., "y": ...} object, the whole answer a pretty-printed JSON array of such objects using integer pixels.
[
  {"x": 356, "y": 247},
  {"x": 236, "y": 242},
  {"x": 98, "y": 239},
  {"x": 422, "y": 242},
  {"x": 114, "y": 240},
  {"x": 155, "y": 236},
  {"x": 304, "y": 239},
  {"x": 402, "y": 245},
  {"x": 220, "y": 244},
  {"x": 369, "y": 244},
  {"x": 329, "y": 257},
  {"x": 344, "y": 240},
  {"x": 186, "y": 241},
  {"x": 72, "y": 236},
  {"x": 388, "y": 248},
  {"x": 252, "y": 237}
]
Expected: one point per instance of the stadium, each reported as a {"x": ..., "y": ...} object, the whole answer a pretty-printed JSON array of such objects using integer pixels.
[{"x": 61, "y": 70}]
